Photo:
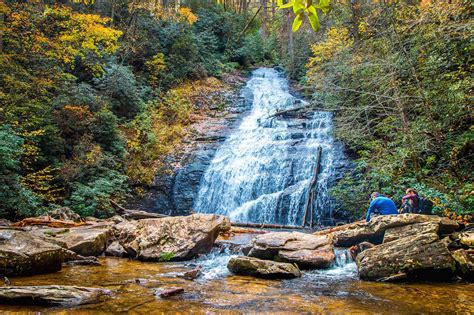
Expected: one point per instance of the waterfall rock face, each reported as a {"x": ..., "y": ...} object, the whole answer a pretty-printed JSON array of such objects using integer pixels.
[{"x": 262, "y": 171}]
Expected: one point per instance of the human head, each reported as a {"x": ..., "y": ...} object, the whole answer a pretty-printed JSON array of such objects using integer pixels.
[
  {"x": 411, "y": 191},
  {"x": 374, "y": 195}
]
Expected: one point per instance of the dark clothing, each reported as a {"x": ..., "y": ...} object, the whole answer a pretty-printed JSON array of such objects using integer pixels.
[
  {"x": 381, "y": 205},
  {"x": 410, "y": 204}
]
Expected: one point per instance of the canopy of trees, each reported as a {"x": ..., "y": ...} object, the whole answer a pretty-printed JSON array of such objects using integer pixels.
[{"x": 95, "y": 94}]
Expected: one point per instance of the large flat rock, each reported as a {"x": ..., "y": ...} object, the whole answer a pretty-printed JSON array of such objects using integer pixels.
[
  {"x": 419, "y": 256},
  {"x": 251, "y": 266},
  {"x": 373, "y": 231},
  {"x": 171, "y": 238},
  {"x": 306, "y": 250},
  {"x": 23, "y": 254},
  {"x": 51, "y": 295},
  {"x": 88, "y": 240}
]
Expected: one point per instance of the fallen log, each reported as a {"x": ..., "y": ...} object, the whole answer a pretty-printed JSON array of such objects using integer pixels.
[
  {"x": 312, "y": 190},
  {"x": 48, "y": 222},
  {"x": 135, "y": 214}
]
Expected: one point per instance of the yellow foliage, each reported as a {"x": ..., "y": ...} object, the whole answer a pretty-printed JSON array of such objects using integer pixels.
[
  {"x": 188, "y": 15},
  {"x": 42, "y": 184},
  {"x": 336, "y": 40}
]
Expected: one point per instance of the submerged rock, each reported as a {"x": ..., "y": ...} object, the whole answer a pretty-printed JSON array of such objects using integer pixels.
[
  {"x": 22, "y": 254},
  {"x": 171, "y": 238},
  {"x": 306, "y": 250},
  {"x": 116, "y": 250},
  {"x": 170, "y": 292},
  {"x": 419, "y": 256},
  {"x": 251, "y": 266},
  {"x": 51, "y": 295}
]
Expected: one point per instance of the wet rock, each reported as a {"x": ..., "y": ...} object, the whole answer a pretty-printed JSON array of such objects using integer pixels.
[
  {"x": 23, "y": 254},
  {"x": 116, "y": 250},
  {"x": 171, "y": 238},
  {"x": 306, "y": 250},
  {"x": 420, "y": 256},
  {"x": 5, "y": 222},
  {"x": 51, "y": 295},
  {"x": 464, "y": 263},
  {"x": 251, "y": 266},
  {"x": 170, "y": 292},
  {"x": 192, "y": 274},
  {"x": 410, "y": 230}
]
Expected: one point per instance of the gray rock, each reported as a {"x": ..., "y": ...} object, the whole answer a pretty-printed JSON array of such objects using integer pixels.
[
  {"x": 251, "y": 266},
  {"x": 52, "y": 295}
]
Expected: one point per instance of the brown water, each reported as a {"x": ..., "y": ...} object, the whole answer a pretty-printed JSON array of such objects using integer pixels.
[{"x": 333, "y": 291}]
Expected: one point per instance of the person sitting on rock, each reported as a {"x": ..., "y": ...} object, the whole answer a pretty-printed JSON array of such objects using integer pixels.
[
  {"x": 380, "y": 205},
  {"x": 410, "y": 201}
]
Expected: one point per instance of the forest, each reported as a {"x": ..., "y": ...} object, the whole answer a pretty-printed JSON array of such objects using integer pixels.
[{"x": 96, "y": 94}]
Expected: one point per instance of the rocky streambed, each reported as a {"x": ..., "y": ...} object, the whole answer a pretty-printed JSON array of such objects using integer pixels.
[{"x": 198, "y": 263}]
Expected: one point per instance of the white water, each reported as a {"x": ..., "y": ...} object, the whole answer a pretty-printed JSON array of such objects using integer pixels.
[{"x": 262, "y": 171}]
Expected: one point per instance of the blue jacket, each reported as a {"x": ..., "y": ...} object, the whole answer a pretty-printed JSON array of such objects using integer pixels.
[{"x": 383, "y": 204}]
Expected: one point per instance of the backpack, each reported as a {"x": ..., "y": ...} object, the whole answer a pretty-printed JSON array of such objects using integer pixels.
[{"x": 425, "y": 206}]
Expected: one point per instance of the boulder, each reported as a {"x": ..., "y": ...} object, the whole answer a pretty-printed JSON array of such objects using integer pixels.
[
  {"x": 410, "y": 230},
  {"x": 251, "y": 266},
  {"x": 306, "y": 250},
  {"x": 171, "y": 238},
  {"x": 51, "y": 295},
  {"x": 23, "y": 254},
  {"x": 465, "y": 263},
  {"x": 89, "y": 240},
  {"x": 419, "y": 256},
  {"x": 116, "y": 250}
]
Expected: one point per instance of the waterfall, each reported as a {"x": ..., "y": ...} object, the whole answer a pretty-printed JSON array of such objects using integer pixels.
[{"x": 261, "y": 172}]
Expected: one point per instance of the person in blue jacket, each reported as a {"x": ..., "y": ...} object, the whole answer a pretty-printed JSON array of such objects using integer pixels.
[{"x": 381, "y": 205}]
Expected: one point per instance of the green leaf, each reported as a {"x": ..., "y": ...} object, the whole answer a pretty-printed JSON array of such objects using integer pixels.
[
  {"x": 325, "y": 6},
  {"x": 297, "y": 22},
  {"x": 298, "y": 6},
  {"x": 314, "y": 19},
  {"x": 288, "y": 5}
]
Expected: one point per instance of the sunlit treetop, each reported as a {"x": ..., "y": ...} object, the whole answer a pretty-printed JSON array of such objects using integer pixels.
[{"x": 302, "y": 8}]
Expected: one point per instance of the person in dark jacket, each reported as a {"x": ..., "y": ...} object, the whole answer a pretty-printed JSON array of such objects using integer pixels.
[
  {"x": 380, "y": 205},
  {"x": 410, "y": 202}
]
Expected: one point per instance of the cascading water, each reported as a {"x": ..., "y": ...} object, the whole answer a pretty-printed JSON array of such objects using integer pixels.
[{"x": 261, "y": 172}]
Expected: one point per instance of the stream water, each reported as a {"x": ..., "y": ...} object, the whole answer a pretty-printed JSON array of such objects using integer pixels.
[
  {"x": 262, "y": 171},
  {"x": 135, "y": 284}
]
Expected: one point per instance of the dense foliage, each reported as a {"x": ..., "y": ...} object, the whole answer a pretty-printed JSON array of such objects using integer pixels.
[
  {"x": 399, "y": 82},
  {"x": 95, "y": 94}
]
